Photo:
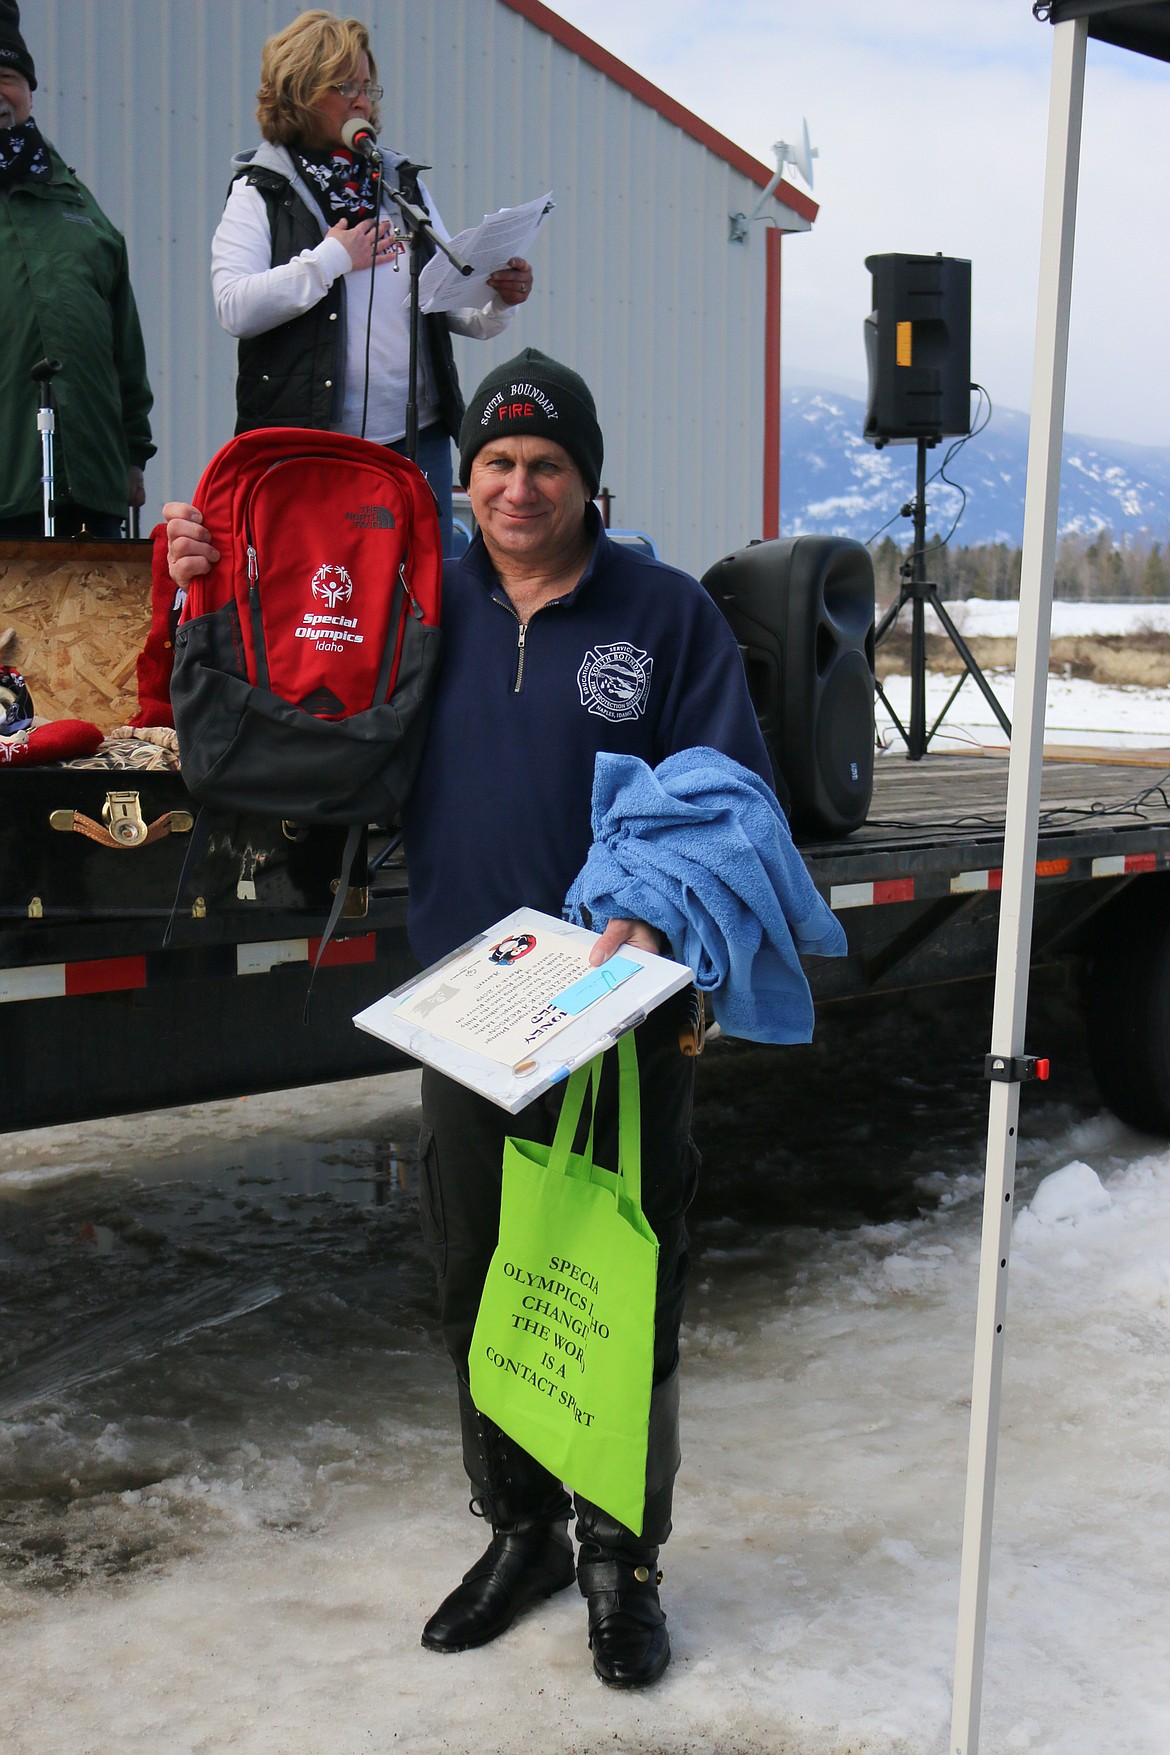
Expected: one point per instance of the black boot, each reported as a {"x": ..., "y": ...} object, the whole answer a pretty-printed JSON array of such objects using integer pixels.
[
  {"x": 530, "y": 1555},
  {"x": 617, "y": 1571}
]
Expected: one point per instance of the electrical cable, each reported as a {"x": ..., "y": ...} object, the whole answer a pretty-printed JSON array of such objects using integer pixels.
[
  {"x": 1055, "y": 817},
  {"x": 977, "y": 426},
  {"x": 901, "y": 513},
  {"x": 378, "y": 168}
]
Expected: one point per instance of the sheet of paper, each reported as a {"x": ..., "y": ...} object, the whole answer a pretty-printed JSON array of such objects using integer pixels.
[
  {"x": 487, "y": 246},
  {"x": 515, "y": 1010},
  {"x": 505, "y": 999}
]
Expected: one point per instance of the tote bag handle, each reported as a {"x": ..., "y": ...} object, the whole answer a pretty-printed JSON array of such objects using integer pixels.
[{"x": 629, "y": 1120}]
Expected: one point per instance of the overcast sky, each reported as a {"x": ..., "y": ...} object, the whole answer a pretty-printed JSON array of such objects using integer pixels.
[{"x": 930, "y": 117}]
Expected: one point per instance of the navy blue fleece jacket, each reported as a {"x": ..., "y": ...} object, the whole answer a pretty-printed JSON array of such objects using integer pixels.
[{"x": 636, "y": 660}]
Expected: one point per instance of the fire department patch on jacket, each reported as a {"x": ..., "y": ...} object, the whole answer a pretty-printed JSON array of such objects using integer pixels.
[{"x": 614, "y": 681}]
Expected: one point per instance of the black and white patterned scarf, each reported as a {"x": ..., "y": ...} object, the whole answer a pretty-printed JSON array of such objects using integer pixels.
[
  {"x": 343, "y": 183},
  {"x": 16, "y": 708},
  {"x": 24, "y": 155}
]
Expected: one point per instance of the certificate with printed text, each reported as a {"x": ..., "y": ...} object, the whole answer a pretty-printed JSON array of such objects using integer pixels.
[{"x": 520, "y": 1007}]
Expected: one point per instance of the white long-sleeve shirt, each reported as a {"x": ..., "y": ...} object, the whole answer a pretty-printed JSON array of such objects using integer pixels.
[{"x": 252, "y": 297}]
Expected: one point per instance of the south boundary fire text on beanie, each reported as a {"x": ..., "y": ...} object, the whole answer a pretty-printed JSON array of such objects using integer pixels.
[{"x": 534, "y": 394}]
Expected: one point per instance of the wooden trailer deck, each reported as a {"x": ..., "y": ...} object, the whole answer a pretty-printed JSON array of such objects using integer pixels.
[{"x": 952, "y": 800}]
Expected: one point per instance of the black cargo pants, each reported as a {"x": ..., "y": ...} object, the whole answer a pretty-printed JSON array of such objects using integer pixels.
[{"x": 461, "y": 1152}]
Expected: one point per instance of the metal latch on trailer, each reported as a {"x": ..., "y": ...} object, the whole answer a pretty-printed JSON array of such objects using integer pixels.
[{"x": 125, "y": 826}]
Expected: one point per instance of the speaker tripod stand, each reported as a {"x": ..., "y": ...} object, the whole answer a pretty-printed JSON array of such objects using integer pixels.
[{"x": 918, "y": 591}]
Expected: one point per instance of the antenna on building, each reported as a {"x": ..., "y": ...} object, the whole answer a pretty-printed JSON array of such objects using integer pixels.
[{"x": 800, "y": 158}]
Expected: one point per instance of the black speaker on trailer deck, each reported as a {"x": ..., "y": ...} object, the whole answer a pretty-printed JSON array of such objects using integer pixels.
[
  {"x": 802, "y": 609},
  {"x": 918, "y": 349}
]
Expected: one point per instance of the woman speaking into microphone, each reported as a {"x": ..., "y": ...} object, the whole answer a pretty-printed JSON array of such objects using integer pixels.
[{"x": 302, "y": 269}]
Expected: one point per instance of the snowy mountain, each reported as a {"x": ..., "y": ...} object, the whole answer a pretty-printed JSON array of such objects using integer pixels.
[{"x": 832, "y": 480}]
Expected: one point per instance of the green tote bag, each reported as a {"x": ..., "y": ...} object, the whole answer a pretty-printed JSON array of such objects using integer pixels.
[{"x": 563, "y": 1350}]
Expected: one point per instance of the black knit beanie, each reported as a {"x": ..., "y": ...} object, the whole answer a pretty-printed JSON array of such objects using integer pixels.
[
  {"x": 534, "y": 394},
  {"x": 13, "y": 51}
]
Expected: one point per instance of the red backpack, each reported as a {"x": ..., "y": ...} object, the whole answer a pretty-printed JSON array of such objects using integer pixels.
[{"x": 304, "y": 659}]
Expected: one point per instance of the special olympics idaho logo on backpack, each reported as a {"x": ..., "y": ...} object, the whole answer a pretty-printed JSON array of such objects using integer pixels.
[
  {"x": 615, "y": 681},
  {"x": 332, "y": 586}
]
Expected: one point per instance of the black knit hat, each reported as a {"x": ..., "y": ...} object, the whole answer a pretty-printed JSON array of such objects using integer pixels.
[
  {"x": 534, "y": 394},
  {"x": 13, "y": 52}
]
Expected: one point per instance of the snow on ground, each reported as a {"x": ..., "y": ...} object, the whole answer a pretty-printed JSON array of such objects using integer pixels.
[
  {"x": 981, "y": 616},
  {"x": 1078, "y": 712},
  {"x": 811, "y": 1582}
]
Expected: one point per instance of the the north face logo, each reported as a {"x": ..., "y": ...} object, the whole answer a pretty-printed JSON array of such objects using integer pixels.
[
  {"x": 332, "y": 586},
  {"x": 371, "y": 518}
]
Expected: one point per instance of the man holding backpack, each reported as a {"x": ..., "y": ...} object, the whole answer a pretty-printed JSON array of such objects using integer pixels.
[{"x": 558, "y": 645}]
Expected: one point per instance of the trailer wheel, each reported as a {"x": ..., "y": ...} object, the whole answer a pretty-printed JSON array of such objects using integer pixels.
[{"x": 1129, "y": 1008}]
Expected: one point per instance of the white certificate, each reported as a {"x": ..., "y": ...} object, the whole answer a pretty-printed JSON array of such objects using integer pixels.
[{"x": 520, "y": 1007}]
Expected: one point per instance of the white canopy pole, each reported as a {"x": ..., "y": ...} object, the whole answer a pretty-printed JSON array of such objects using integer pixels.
[{"x": 1019, "y": 862}]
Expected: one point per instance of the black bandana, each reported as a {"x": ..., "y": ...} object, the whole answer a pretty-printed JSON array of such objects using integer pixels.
[
  {"x": 343, "y": 183},
  {"x": 24, "y": 155}
]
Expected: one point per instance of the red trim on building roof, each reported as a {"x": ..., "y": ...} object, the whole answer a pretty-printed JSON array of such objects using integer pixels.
[{"x": 587, "y": 50}]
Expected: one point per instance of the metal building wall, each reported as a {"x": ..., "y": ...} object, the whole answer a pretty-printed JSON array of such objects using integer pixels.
[{"x": 636, "y": 283}]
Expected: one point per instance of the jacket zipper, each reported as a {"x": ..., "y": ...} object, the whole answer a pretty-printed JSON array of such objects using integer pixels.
[{"x": 522, "y": 635}]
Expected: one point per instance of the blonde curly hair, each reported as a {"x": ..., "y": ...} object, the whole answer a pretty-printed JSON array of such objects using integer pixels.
[{"x": 299, "y": 64}]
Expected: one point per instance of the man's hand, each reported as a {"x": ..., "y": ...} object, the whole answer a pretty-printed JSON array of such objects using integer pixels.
[
  {"x": 513, "y": 283},
  {"x": 135, "y": 486},
  {"x": 190, "y": 551},
  {"x": 626, "y": 932}
]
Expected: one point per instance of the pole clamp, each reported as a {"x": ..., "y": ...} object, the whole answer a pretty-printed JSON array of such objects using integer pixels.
[{"x": 1018, "y": 1069}]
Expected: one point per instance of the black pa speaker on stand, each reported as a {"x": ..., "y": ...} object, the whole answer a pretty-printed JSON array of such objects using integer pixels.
[
  {"x": 918, "y": 349},
  {"x": 918, "y": 354},
  {"x": 802, "y": 609}
]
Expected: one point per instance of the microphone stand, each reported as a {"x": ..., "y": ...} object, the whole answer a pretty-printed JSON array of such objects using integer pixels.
[
  {"x": 42, "y": 376},
  {"x": 376, "y": 172},
  {"x": 417, "y": 225}
]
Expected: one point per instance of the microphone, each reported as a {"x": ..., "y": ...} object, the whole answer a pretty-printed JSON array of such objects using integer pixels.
[{"x": 360, "y": 138}]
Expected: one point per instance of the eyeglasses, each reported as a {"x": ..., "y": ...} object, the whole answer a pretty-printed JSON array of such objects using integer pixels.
[{"x": 350, "y": 89}]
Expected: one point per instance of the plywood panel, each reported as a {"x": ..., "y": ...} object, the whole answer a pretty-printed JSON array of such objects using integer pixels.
[{"x": 81, "y": 614}]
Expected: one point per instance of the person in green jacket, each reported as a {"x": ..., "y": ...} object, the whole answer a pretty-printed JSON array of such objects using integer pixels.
[{"x": 65, "y": 293}]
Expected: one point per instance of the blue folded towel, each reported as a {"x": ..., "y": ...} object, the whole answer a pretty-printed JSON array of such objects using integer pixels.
[{"x": 699, "y": 848}]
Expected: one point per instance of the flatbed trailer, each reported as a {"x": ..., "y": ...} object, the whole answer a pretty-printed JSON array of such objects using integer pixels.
[
  {"x": 917, "y": 886},
  {"x": 125, "y": 985},
  {"x": 101, "y": 1017},
  {"x": 917, "y": 890}
]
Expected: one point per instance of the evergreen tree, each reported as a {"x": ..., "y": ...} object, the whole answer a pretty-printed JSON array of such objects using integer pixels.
[{"x": 1087, "y": 568}]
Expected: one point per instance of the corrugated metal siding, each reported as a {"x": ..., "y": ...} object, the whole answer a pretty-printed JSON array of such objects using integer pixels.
[{"x": 636, "y": 283}]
